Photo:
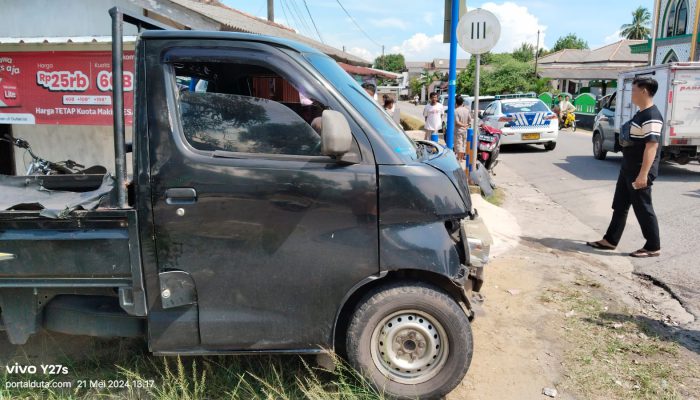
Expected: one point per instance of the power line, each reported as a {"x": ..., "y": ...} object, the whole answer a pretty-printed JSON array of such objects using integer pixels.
[
  {"x": 286, "y": 18},
  {"x": 313, "y": 22},
  {"x": 289, "y": 20},
  {"x": 301, "y": 17},
  {"x": 356, "y": 24},
  {"x": 295, "y": 17}
]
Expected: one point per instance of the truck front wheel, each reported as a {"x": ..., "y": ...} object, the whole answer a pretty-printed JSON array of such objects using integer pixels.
[{"x": 412, "y": 340}]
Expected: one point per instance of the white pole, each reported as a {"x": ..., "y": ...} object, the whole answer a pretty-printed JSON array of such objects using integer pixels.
[{"x": 475, "y": 137}]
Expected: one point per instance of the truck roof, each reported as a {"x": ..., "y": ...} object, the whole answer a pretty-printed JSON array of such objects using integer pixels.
[{"x": 247, "y": 37}]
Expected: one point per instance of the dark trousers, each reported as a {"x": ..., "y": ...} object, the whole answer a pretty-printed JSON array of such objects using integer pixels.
[{"x": 640, "y": 200}]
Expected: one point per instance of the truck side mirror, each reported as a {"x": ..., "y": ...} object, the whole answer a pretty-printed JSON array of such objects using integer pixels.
[
  {"x": 336, "y": 138},
  {"x": 481, "y": 113}
]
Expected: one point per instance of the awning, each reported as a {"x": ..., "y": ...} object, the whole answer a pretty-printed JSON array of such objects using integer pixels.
[
  {"x": 364, "y": 71},
  {"x": 581, "y": 73}
]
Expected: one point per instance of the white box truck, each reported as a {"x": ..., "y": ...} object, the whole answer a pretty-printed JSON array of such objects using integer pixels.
[{"x": 678, "y": 99}]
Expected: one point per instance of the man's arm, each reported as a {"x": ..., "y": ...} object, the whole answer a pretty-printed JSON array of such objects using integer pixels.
[{"x": 642, "y": 180}]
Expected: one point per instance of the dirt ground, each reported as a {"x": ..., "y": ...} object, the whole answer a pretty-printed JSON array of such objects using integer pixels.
[{"x": 560, "y": 316}]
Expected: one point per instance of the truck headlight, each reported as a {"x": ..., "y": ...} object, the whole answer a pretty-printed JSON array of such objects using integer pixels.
[
  {"x": 476, "y": 240},
  {"x": 478, "y": 252}
]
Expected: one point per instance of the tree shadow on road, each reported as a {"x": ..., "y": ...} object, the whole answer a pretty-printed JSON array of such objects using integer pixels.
[
  {"x": 695, "y": 193},
  {"x": 608, "y": 170},
  {"x": 690, "y": 339}
]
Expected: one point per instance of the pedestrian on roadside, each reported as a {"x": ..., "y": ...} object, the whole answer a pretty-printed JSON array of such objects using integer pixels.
[
  {"x": 433, "y": 116},
  {"x": 370, "y": 89},
  {"x": 389, "y": 104},
  {"x": 640, "y": 167},
  {"x": 463, "y": 121}
]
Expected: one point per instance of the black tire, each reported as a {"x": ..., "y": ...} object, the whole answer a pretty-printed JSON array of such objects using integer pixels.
[
  {"x": 549, "y": 146},
  {"x": 412, "y": 308},
  {"x": 598, "y": 152},
  {"x": 494, "y": 156}
]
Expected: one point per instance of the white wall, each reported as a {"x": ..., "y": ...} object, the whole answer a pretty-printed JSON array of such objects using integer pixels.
[{"x": 84, "y": 144}]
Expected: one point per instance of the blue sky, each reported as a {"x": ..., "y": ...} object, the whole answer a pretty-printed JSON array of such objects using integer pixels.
[{"x": 414, "y": 28}]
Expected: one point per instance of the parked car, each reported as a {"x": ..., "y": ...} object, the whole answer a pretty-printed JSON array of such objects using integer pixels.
[
  {"x": 678, "y": 100},
  {"x": 523, "y": 120},
  {"x": 252, "y": 223}
]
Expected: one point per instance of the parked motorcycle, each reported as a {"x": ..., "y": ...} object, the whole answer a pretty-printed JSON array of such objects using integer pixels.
[
  {"x": 489, "y": 146},
  {"x": 40, "y": 166}
]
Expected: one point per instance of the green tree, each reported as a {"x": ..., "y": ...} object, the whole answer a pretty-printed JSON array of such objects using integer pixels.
[
  {"x": 415, "y": 84},
  {"x": 390, "y": 62},
  {"x": 570, "y": 41},
  {"x": 511, "y": 76},
  {"x": 525, "y": 53},
  {"x": 639, "y": 29}
]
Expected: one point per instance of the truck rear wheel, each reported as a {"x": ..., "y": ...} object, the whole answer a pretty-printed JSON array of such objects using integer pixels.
[
  {"x": 598, "y": 152},
  {"x": 411, "y": 340}
]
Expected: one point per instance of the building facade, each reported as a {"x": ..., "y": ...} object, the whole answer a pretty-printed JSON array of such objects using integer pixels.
[{"x": 677, "y": 40}]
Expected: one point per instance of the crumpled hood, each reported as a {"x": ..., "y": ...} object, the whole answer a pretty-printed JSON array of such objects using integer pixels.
[{"x": 446, "y": 162}]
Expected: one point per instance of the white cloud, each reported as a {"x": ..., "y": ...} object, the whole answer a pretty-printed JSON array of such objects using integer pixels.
[
  {"x": 421, "y": 47},
  {"x": 428, "y": 18},
  {"x": 518, "y": 26},
  {"x": 389, "y": 23},
  {"x": 614, "y": 37},
  {"x": 362, "y": 53}
]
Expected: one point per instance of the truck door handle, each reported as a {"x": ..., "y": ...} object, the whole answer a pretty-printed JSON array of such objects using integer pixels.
[{"x": 180, "y": 196}]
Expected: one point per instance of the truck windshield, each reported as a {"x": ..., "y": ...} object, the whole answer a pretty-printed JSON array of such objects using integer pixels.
[{"x": 353, "y": 92}]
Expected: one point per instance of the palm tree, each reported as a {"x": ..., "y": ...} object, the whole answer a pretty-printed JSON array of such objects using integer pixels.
[{"x": 639, "y": 28}]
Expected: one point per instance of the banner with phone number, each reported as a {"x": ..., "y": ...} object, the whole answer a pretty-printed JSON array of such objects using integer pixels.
[{"x": 62, "y": 87}]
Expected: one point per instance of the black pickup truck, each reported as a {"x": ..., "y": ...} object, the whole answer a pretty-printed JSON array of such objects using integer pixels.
[{"x": 274, "y": 208}]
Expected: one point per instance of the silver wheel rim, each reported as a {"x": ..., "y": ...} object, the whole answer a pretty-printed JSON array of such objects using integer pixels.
[{"x": 409, "y": 347}]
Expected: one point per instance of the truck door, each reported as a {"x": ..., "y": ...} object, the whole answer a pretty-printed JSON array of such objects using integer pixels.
[
  {"x": 624, "y": 103},
  {"x": 273, "y": 233},
  {"x": 685, "y": 102}
]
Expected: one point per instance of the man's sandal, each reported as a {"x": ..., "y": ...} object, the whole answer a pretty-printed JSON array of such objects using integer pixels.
[
  {"x": 643, "y": 253},
  {"x": 600, "y": 246}
]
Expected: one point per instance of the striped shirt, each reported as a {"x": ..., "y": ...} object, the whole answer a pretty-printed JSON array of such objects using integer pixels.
[{"x": 646, "y": 126}]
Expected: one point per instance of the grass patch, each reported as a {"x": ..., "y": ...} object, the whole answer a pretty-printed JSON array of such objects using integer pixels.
[
  {"x": 195, "y": 378},
  {"x": 411, "y": 123},
  {"x": 497, "y": 198},
  {"x": 615, "y": 354}
]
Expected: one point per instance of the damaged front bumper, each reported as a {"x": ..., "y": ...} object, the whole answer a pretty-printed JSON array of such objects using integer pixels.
[{"x": 475, "y": 241}]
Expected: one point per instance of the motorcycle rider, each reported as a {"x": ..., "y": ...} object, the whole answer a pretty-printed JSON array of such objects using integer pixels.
[{"x": 565, "y": 107}]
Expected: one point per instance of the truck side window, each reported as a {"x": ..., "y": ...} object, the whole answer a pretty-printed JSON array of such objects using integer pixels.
[
  {"x": 613, "y": 102},
  {"x": 246, "y": 109}
]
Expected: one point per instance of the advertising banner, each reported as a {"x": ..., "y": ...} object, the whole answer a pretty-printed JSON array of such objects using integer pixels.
[{"x": 61, "y": 87}]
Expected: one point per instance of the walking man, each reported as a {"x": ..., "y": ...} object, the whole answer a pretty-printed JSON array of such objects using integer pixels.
[
  {"x": 433, "y": 116},
  {"x": 640, "y": 167}
]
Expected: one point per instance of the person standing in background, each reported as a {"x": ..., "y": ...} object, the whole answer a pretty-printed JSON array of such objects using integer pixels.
[
  {"x": 463, "y": 121},
  {"x": 433, "y": 116}
]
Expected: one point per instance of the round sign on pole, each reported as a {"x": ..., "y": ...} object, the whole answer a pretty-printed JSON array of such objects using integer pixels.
[{"x": 478, "y": 31}]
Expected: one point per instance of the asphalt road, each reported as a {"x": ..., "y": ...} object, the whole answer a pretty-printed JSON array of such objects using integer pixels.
[{"x": 585, "y": 186}]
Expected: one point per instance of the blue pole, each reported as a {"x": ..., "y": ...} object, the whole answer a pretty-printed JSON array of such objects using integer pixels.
[{"x": 452, "y": 84}]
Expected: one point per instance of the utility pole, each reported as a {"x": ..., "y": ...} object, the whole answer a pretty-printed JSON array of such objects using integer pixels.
[
  {"x": 271, "y": 10},
  {"x": 383, "y": 60},
  {"x": 537, "y": 52},
  {"x": 452, "y": 75}
]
